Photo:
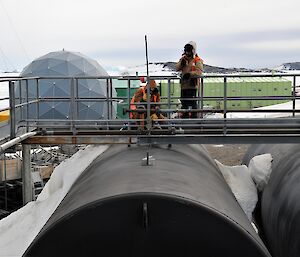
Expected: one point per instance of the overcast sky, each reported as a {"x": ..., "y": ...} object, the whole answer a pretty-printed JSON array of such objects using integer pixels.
[{"x": 229, "y": 33}]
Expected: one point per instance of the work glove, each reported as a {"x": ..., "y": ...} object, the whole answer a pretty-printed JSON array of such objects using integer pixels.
[
  {"x": 186, "y": 76},
  {"x": 183, "y": 62},
  {"x": 157, "y": 110},
  {"x": 154, "y": 90}
]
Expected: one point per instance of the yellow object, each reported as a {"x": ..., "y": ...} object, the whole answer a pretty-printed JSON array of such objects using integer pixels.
[{"x": 4, "y": 116}]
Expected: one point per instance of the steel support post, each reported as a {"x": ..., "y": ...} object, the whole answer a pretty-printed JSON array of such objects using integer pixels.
[
  {"x": 37, "y": 104},
  {"x": 169, "y": 97},
  {"x": 26, "y": 174},
  {"x": 201, "y": 96},
  {"x": 27, "y": 105},
  {"x": 294, "y": 95},
  {"x": 12, "y": 104},
  {"x": 72, "y": 105},
  {"x": 225, "y": 105}
]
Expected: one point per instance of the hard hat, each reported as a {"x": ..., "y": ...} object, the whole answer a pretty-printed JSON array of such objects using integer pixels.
[
  {"x": 194, "y": 45},
  {"x": 152, "y": 83}
]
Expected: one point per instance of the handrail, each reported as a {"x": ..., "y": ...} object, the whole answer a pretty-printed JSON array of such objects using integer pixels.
[
  {"x": 23, "y": 101},
  {"x": 15, "y": 141}
]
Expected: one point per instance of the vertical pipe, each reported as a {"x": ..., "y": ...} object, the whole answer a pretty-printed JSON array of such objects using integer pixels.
[
  {"x": 26, "y": 174},
  {"x": 294, "y": 95},
  {"x": 12, "y": 105},
  {"x": 27, "y": 105}
]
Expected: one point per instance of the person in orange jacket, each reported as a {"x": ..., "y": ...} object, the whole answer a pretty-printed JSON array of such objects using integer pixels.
[
  {"x": 191, "y": 66},
  {"x": 140, "y": 96}
]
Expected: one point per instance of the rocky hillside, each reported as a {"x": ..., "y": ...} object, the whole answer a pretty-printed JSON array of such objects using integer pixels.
[{"x": 290, "y": 66}]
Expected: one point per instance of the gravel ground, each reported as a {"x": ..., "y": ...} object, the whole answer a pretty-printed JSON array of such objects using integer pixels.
[{"x": 228, "y": 154}]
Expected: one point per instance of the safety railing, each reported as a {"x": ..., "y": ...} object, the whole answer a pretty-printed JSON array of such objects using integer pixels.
[{"x": 68, "y": 106}]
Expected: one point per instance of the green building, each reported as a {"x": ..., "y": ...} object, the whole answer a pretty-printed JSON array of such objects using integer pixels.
[
  {"x": 236, "y": 87},
  {"x": 121, "y": 87}
]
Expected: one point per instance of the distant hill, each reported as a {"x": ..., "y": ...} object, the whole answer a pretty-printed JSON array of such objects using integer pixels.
[
  {"x": 211, "y": 69},
  {"x": 289, "y": 66},
  {"x": 168, "y": 68}
]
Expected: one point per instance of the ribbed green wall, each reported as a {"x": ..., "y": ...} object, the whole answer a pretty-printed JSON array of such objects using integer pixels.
[
  {"x": 121, "y": 87},
  {"x": 242, "y": 87}
]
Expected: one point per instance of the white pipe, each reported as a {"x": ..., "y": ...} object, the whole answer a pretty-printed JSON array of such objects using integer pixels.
[{"x": 15, "y": 141}]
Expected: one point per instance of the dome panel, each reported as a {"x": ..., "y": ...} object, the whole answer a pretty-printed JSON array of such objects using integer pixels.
[{"x": 70, "y": 64}]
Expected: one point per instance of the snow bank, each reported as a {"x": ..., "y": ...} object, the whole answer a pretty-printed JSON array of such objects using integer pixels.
[
  {"x": 239, "y": 180},
  {"x": 245, "y": 181},
  {"x": 259, "y": 115},
  {"x": 21, "y": 227},
  {"x": 260, "y": 170}
]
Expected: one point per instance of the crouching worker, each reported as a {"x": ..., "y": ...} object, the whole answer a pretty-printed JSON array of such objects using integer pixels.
[{"x": 140, "y": 96}]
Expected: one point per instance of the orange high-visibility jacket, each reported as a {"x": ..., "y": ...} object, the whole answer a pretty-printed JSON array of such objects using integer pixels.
[{"x": 141, "y": 96}]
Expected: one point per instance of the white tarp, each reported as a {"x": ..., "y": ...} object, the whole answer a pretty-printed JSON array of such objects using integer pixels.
[{"x": 245, "y": 181}]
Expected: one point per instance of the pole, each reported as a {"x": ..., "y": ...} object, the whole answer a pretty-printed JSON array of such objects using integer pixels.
[
  {"x": 26, "y": 174},
  {"x": 12, "y": 110},
  {"x": 148, "y": 87}
]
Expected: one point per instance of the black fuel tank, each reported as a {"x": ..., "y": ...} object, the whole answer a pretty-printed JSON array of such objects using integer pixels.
[
  {"x": 280, "y": 205},
  {"x": 179, "y": 206}
]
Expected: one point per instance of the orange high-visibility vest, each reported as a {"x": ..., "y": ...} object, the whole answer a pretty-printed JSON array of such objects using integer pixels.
[
  {"x": 196, "y": 59},
  {"x": 133, "y": 106}
]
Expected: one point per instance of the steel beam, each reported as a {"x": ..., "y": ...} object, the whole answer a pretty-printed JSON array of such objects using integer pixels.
[
  {"x": 167, "y": 139},
  {"x": 215, "y": 139}
]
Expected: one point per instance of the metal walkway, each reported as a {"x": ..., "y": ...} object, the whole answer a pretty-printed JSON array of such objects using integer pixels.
[
  {"x": 28, "y": 127},
  {"x": 112, "y": 130}
]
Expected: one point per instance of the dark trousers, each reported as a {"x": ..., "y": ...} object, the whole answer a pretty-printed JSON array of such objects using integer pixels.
[{"x": 189, "y": 104}]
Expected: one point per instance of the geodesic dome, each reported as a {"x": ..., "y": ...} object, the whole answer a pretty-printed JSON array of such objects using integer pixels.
[{"x": 67, "y": 64}]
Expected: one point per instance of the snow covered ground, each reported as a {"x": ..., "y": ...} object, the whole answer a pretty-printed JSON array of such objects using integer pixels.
[
  {"x": 246, "y": 115},
  {"x": 155, "y": 69}
]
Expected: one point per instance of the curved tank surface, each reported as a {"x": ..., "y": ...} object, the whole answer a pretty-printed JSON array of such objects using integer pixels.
[
  {"x": 280, "y": 205},
  {"x": 179, "y": 206}
]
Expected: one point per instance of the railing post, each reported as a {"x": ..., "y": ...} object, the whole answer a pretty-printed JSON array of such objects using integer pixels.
[
  {"x": 128, "y": 95},
  {"x": 149, "y": 122},
  {"x": 26, "y": 174},
  {"x": 107, "y": 98},
  {"x": 5, "y": 178},
  {"x": 294, "y": 95},
  {"x": 72, "y": 105},
  {"x": 225, "y": 105},
  {"x": 169, "y": 96},
  {"x": 111, "y": 97},
  {"x": 201, "y": 95},
  {"x": 27, "y": 105},
  {"x": 37, "y": 103},
  {"x": 12, "y": 114}
]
